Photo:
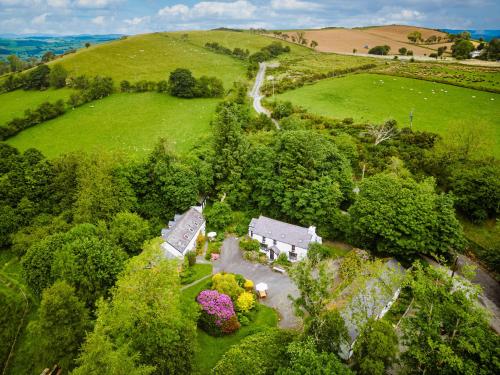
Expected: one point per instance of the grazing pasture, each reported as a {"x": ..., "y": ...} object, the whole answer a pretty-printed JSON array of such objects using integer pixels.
[
  {"x": 151, "y": 57},
  {"x": 14, "y": 103},
  {"x": 131, "y": 123},
  {"x": 440, "y": 108}
]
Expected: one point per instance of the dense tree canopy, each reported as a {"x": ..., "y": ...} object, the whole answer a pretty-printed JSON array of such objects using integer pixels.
[{"x": 403, "y": 217}]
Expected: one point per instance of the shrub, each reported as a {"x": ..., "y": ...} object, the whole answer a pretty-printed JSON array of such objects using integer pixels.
[
  {"x": 245, "y": 302},
  {"x": 216, "y": 309},
  {"x": 248, "y": 244},
  {"x": 213, "y": 248},
  {"x": 248, "y": 285},
  {"x": 243, "y": 319},
  {"x": 226, "y": 283},
  {"x": 282, "y": 110},
  {"x": 231, "y": 325},
  {"x": 240, "y": 279},
  {"x": 191, "y": 257},
  {"x": 283, "y": 260},
  {"x": 318, "y": 252},
  {"x": 380, "y": 50}
]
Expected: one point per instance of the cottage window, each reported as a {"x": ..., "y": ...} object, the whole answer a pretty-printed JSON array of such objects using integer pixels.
[
  {"x": 263, "y": 239},
  {"x": 293, "y": 247},
  {"x": 275, "y": 242},
  {"x": 251, "y": 233},
  {"x": 292, "y": 256}
]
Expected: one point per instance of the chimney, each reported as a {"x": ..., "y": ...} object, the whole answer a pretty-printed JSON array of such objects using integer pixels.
[{"x": 312, "y": 230}]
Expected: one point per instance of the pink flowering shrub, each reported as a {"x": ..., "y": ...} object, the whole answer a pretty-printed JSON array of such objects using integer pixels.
[{"x": 217, "y": 313}]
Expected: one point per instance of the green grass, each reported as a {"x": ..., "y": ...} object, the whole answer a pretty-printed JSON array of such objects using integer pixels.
[
  {"x": 152, "y": 57},
  {"x": 131, "y": 123},
  {"x": 366, "y": 99},
  {"x": 199, "y": 271},
  {"x": 13, "y": 104},
  {"x": 211, "y": 349}
]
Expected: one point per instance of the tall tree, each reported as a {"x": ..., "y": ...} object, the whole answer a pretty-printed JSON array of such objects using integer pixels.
[
  {"x": 58, "y": 75},
  {"x": 376, "y": 348},
  {"x": 60, "y": 327},
  {"x": 403, "y": 217},
  {"x": 448, "y": 330},
  {"x": 147, "y": 317}
]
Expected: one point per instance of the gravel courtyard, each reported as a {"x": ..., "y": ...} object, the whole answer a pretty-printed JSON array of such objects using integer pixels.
[{"x": 280, "y": 286}]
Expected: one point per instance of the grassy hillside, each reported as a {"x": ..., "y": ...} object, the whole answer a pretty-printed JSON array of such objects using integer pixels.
[
  {"x": 13, "y": 104},
  {"x": 126, "y": 122},
  {"x": 437, "y": 107},
  {"x": 152, "y": 57}
]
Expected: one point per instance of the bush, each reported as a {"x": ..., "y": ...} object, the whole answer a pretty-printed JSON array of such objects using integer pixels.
[
  {"x": 248, "y": 244},
  {"x": 318, "y": 252},
  {"x": 243, "y": 319},
  {"x": 283, "y": 260},
  {"x": 213, "y": 248},
  {"x": 282, "y": 110},
  {"x": 245, "y": 302},
  {"x": 380, "y": 50},
  {"x": 226, "y": 283},
  {"x": 191, "y": 257},
  {"x": 216, "y": 309},
  {"x": 248, "y": 285}
]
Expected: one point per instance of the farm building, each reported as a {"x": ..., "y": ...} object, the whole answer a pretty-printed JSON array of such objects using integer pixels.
[
  {"x": 373, "y": 301},
  {"x": 277, "y": 237},
  {"x": 181, "y": 234}
]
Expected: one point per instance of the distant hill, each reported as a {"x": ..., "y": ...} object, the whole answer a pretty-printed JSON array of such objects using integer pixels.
[
  {"x": 476, "y": 34},
  {"x": 26, "y": 46}
]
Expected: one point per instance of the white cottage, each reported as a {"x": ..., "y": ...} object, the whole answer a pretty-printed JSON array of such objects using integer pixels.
[
  {"x": 181, "y": 234},
  {"x": 277, "y": 237}
]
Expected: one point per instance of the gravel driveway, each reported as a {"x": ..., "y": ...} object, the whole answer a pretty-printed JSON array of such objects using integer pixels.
[{"x": 280, "y": 286}]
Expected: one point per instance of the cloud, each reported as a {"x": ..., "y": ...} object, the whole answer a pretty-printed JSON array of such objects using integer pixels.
[
  {"x": 240, "y": 9},
  {"x": 294, "y": 5},
  {"x": 174, "y": 11},
  {"x": 137, "y": 20},
  {"x": 99, "y": 20},
  {"x": 58, "y": 3},
  {"x": 40, "y": 20},
  {"x": 95, "y": 4}
]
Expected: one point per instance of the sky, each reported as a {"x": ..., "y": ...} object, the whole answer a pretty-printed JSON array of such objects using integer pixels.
[{"x": 70, "y": 17}]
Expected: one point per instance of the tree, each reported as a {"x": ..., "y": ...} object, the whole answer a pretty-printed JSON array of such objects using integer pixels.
[
  {"x": 146, "y": 318},
  {"x": 58, "y": 76},
  {"x": 493, "y": 49},
  {"x": 219, "y": 216},
  {"x": 98, "y": 88},
  {"x": 16, "y": 64},
  {"x": 401, "y": 216},
  {"x": 48, "y": 56},
  {"x": 314, "y": 289},
  {"x": 448, "y": 329},
  {"x": 87, "y": 45},
  {"x": 129, "y": 231},
  {"x": 376, "y": 348},
  {"x": 414, "y": 36},
  {"x": 328, "y": 331},
  {"x": 182, "y": 83},
  {"x": 314, "y": 44},
  {"x": 461, "y": 49},
  {"x": 379, "y": 50},
  {"x": 402, "y": 51},
  {"x": 61, "y": 325},
  {"x": 38, "y": 78},
  {"x": 258, "y": 354},
  {"x": 382, "y": 133},
  {"x": 305, "y": 359},
  {"x": 441, "y": 50},
  {"x": 226, "y": 283},
  {"x": 476, "y": 187}
]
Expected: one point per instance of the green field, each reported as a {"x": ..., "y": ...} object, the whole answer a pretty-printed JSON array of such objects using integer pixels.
[
  {"x": 132, "y": 123},
  {"x": 439, "y": 108},
  {"x": 13, "y": 104},
  {"x": 151, "y": 57}
]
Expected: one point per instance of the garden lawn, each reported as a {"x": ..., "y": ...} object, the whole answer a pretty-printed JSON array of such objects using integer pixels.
[
  {"x": 14, "y": 103},
  {"x": 373, "y": 98},
  {"x": 199, "y": 271},
  {"x": 211, "y": 349},
  {"x": 151, "y": 57},
  {"x": 131, "y": 123}
]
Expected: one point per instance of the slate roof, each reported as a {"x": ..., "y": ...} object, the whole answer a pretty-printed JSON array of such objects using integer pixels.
[
  {"x": 280, "y": 231},
  {"x": 183, "y": 229}
]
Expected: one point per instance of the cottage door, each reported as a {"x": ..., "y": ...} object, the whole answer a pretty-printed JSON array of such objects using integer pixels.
[{"x": 271, "y": 254}]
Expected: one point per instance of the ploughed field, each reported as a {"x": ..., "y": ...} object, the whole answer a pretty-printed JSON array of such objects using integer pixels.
[
  {"x": 374, "y": 98},
  {"x": 131, "y": 123}
]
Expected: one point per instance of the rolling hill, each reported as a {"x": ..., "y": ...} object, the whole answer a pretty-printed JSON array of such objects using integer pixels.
[{"x": 341, "y": 40}]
